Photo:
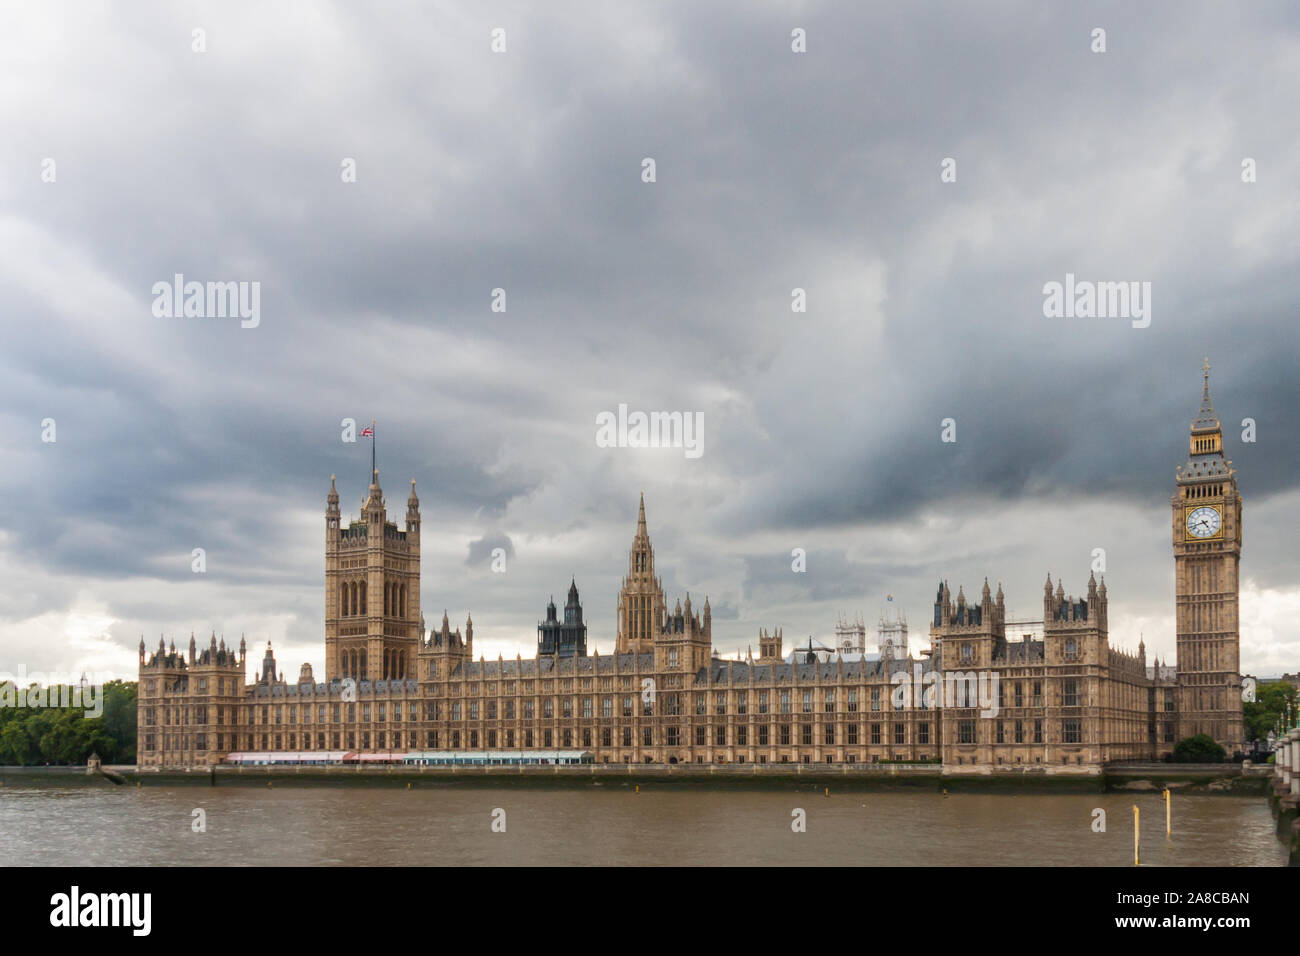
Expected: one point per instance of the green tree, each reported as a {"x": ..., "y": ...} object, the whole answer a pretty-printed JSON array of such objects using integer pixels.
[
  {"x": 65, "y": 735},
  {"x": 1199, "y": 749},
  {"x": 14, "y": 746}
]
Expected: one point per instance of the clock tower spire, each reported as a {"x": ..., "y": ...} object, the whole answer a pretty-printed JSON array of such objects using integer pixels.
[{"x": 1207, "y": 555}]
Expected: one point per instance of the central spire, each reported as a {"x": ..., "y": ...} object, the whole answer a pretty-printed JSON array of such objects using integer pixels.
[
  {"x": 1205, "y": 443},
  {"x": 1207, "y": 420}
]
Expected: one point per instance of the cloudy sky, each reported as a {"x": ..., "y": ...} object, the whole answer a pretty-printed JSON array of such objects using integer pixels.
[{"x": 129, "y": 157}]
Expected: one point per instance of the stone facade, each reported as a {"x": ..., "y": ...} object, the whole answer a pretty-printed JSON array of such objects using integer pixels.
[
  {"x": 980, "y": 699},
  {"x": 1207, "y": 554}
]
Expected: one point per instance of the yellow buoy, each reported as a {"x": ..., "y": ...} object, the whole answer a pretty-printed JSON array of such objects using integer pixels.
[
  {"x": 1168, "y": 814},
  {"x": 1136, "y": 833},
  {"x": 638, "y": 788}
]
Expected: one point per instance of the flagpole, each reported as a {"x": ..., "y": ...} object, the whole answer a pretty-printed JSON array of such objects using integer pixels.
[{"x": 372, "y": 450}]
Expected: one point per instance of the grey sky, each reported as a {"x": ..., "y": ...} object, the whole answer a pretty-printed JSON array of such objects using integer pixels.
[{"x": 522, "y": 170}]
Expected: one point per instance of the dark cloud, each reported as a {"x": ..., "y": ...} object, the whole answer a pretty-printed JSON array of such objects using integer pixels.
[{"x": 522, "y": 171}]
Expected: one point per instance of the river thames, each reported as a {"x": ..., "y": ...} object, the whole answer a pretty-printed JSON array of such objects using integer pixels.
[{"x": 451, "y": 826}]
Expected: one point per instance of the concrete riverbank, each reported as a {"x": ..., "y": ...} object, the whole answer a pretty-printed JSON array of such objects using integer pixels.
[{"x": 1190, "y": 779}]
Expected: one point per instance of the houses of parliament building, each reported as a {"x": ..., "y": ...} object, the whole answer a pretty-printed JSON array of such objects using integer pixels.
[{"x": 1056, "y": 697}]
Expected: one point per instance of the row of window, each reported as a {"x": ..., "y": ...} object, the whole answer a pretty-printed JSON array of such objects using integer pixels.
[
  {"x": 786, "y": 735},
  {"x": 1071, "y": 731}
]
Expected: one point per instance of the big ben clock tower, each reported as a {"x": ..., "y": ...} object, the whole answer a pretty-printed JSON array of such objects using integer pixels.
[{"x": 1207, "y": 552}]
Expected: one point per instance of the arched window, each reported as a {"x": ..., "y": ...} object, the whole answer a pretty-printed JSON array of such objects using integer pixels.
[
  {"x": 363, "y": 600},
  {"x": 362, "y": 672},
  {"x": 343, "y": 598},
  {"x": 401, "y": 602}
]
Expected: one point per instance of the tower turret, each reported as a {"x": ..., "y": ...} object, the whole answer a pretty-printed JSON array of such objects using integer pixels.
[
  {"x": 268, "y": 666},
  {"x": 640, "y": 611}
]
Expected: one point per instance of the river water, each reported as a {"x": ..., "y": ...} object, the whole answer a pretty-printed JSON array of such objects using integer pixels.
[{"x": 114, "y": 826}]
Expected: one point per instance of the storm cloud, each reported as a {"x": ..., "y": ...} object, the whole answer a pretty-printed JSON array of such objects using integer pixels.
[{"x": 522, "y": 171}]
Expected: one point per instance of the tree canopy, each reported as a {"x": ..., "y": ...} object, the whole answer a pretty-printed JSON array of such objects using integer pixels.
[{"x": 31, "y": 736}]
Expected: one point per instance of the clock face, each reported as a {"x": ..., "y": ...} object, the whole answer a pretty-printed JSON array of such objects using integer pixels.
[{"x": 1203, "y": 522}]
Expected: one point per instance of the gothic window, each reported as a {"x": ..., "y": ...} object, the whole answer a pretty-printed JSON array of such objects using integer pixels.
[
  {"x": 1070, "y": 692},
  {"x": 1072, "y": 733}
]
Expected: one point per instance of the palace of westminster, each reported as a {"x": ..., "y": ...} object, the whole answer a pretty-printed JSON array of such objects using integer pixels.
[{"x": 1065, "y": 699}]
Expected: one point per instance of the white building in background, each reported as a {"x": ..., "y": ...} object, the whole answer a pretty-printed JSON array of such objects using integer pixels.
[
  {"x": 892, "y": 634},
  {"x": 851, "y": 636},
  {"x": 850, "y": 641}
]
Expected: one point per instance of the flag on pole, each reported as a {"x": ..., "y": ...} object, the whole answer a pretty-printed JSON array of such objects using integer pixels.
[{"x": 369, "y": 432}]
